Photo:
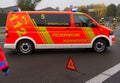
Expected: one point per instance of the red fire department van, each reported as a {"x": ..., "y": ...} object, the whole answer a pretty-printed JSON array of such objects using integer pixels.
[{"x": 30, "y": 30}]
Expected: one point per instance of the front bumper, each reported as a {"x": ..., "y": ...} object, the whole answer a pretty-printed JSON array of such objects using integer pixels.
[
  {"x": 112, "y": 39},
  {"x": 10, "y": 46}
]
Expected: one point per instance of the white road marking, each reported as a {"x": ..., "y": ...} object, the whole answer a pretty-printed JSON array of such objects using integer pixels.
[{"x": 105, "y": 75}]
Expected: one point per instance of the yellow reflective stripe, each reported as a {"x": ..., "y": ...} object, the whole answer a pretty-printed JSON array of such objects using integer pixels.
[
  {"x": 37, "y": 29},
  {"x": 40, "y": 33},
  {"x": 43, "y": 38},
  {"x": 79, "y": 12},
  {"x": 46, "y": 35},
  {"x": 89, "y": 33},
  {"x": 86, "y": 34}
]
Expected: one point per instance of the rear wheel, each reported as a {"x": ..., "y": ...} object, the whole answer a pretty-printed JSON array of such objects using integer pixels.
[
  {"x": 25, "y": 47},
  {"x": 100, "y": 45}
]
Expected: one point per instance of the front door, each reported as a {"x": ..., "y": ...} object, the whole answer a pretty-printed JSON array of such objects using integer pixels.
[{"x": 86, "y": 28}]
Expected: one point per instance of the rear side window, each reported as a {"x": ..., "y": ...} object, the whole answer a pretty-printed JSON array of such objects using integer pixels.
[
  {"x": 51, "y": 19},
  {"x": 38, "y": 19}
]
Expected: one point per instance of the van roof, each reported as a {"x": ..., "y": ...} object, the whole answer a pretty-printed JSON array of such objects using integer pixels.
[{"x": 48, "y": 12}]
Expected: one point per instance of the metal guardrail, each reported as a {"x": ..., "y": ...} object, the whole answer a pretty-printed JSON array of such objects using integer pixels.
[{"x": 2, "y": 29}]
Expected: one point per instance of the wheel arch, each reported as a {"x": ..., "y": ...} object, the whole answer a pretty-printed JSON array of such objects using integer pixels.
[
  {"x": 24, "y": 38},
  {"x": 101, "y": 37}
]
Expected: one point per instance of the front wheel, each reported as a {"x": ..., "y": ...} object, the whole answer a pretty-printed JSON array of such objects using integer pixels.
[
  {"x": 100, "y": 45},
  {"x": 25, "y": 47}
]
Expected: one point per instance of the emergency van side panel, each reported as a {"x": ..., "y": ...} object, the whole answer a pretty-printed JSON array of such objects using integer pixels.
[
  {"x": 19, "y": 25},
  {"x": 53, "y": 30}
]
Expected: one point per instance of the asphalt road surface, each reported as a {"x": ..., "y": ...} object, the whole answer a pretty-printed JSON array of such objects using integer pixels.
[{"x": 49, "y": 66}]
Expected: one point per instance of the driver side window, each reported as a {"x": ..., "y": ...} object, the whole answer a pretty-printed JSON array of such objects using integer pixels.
[{"x": 82, "y": 21}]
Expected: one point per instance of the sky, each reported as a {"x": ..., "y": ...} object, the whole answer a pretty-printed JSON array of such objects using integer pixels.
[{"x": 60, "y": 3}]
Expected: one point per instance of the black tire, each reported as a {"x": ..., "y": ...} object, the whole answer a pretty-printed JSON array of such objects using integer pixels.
[
  {"x": 100, "y": 46},
  {"x": 25, "y": 47}
]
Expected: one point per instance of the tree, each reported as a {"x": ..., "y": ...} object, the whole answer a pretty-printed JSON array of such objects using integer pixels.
[
  {"x": 91, "y": 6},
  {"x": 83, "y": 9},
  {"x": 57, "y": 8},
  {"x": 91, "y": 11},
  {"x": 66, "y": 9},
  {"x": 27, "y": 5},
  {"x": 100, "y": 10},
  {"x": 111, "y": 10},
  {"x": 118, "y": 10}
]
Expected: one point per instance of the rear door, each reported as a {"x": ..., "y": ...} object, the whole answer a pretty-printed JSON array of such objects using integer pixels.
[
  {"x": 59, "y": 28},
  {"x": 55, "y": 28}
]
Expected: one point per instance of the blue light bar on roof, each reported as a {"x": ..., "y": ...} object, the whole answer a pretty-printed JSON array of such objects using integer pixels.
[
  {"x": 74, "y": 9},
  {"x": 15, "y": 9}
]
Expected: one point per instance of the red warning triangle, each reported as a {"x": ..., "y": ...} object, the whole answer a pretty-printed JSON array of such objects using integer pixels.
[{"x": 70, "y": 65}]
